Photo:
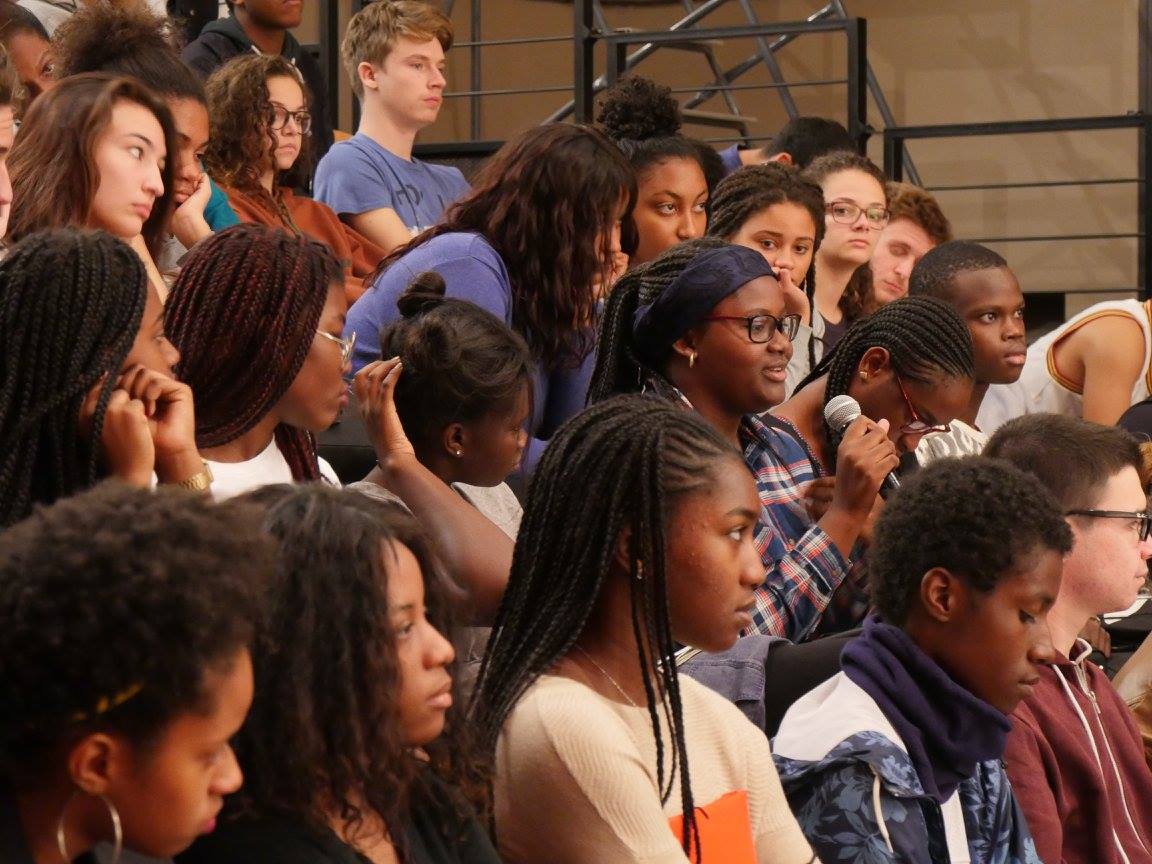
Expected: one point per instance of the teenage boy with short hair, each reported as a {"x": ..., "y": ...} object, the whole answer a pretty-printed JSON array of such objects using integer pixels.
[
  {"x": 394, "y": 55},
  {"x": 1075, "y": 755},
  {"x": 897, "y": 758},
  {"x": 800, "y": 141},
  {"x": 981, "y": 287},
  {"x": 262, "y": 26},
  {"x": 916, "y": 225}
]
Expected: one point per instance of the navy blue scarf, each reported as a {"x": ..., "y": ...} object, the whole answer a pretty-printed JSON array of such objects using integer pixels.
[{"x": 945, "y": 728}]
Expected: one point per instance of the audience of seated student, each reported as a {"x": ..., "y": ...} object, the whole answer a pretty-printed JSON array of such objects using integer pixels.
[
  {"x": 261, "y": 27},
  {"x": 1075, "y": 755},
  {"x": 776, "y": 211},
  {"x": 93, "y": 153},
  {"x": 602, "y": 752},
  {"x": 1095, "y": 365},
  {"x": 855, "y": 212},
  {"x": 797, "y": 143},
  {"x": 530, "y": 244},
  {"x": 704, "y": 326},
  {"x": 898, "y": 757},
  {"x": 394, "y": 55},
  {"x": 260, "y": 148},
  {"x": 131, "y": 613},
  {"x": 980, "y": 286},
  {"x": 643, "y": 119},
  {"x": 133, "y": 41},
  {"x": 464, "y": 395},
  {"x": 26, "y": 41},
  {"x": 257, "y": 315},
  {"x": 909, "y": 366},
  {"x": 86, "y": 384},
  {"x": 355, "y": 747},
  {"x": 915, "y": 225}
]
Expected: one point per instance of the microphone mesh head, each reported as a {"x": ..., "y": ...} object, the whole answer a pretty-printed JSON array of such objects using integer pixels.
[{"x": 840, "y": 411}]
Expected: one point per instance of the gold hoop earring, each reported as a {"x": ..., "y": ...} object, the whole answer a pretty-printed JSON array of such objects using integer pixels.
[
  {"x": 113, "y": 814},
  {"x": 691, "y": 359}
]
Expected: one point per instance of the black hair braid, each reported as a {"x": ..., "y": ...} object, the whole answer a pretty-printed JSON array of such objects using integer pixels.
[
  {"x": 71, "y": 303},
  {"x": 922, "y": 335},
  {"x": 617, "y": 368},
  {"x": 633, "y": 455}
]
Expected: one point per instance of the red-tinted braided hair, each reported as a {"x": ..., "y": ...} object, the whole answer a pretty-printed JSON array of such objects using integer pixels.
[{"x": 243, "y": 313}]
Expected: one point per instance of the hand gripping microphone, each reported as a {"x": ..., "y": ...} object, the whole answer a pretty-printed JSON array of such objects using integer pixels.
[{"x": 839, "y": 413}]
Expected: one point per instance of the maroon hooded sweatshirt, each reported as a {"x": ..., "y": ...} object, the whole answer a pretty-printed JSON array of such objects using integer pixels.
[{"x": 1076, "y": 762}]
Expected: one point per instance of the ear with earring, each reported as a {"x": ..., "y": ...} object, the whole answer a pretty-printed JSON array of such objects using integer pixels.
[
  {"x": 113, "y": 815},
  {"x": 691, "y": 359}
]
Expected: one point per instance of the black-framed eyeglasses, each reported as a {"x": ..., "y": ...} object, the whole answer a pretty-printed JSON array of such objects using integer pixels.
[
  {"x": 917, "y": 426},
  {"x": 761, "y": 328},
  {"x": 1144, "y": 518},
  {"x": 278, "y": 117},
  {"x": 846, "y": 213}
]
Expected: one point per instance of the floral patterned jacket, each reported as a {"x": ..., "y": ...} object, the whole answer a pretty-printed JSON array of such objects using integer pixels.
[{"x": 858, "y": 798}]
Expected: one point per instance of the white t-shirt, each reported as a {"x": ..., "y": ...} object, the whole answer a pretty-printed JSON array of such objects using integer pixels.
[{"x": 235, "y": 478}]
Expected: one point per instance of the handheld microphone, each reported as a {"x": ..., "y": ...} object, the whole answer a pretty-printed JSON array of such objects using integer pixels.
[{"x": 840, "y": 412}]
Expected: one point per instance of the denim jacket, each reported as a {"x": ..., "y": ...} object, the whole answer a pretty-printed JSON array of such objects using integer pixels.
[{"x": 857, "y": 796}]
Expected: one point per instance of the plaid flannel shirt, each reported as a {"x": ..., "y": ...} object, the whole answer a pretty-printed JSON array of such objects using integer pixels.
[{"x": 803, "y": 568}]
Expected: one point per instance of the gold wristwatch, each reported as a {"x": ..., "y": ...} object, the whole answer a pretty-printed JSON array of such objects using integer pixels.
[{"x": 198, "y": 482}]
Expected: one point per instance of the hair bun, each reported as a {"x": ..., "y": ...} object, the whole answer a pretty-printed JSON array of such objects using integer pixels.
[
  {"x": 423, "y": 294},
  {"x": 637, "y": 109}
]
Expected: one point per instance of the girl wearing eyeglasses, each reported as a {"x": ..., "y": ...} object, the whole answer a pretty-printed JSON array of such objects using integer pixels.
[
  {"x": 260, "y": 151},
  {"x": 855, "y": 212},
  {"x": 704, "y": 324}
]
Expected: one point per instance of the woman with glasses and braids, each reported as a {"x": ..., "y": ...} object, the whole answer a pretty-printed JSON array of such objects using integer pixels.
[
  {"x": 257, "y": 315},
  {"x": 86, "y": 383},
  {"x": 601, "y": 751},
  {"x": 855, "y": 212},
  {"x": 258, "y": 151},
  {"x": 773, "y": 209},
  {"x": 704, "y": 326},
  {"x": 910, "y": 367}
]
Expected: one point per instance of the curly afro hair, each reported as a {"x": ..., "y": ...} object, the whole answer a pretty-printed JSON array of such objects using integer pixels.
[
  {"x": 636, "y": 109},
  {"x": 976, "y": 517},
  {"x": 113, "y": 606}
]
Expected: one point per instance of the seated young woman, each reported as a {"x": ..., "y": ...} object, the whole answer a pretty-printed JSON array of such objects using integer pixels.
[
  {"x": 94, "y": 153},
  {"x": 775, "y": 210},
  {"x": 355, "y": 748},
  {"x": 530, "y": 244},
  {"x": 600, "y": 751},
  {"x": 259, "y": 150},
  {"x": 704, "y": 325},
  {"x": 131, "y": 613},
  {"x": 672, "y": 189},
  {"x": 899, "y": 756},
  {"x": 27, "y": 43},
  {"x": 86, "y": 382},
  {"x": 134, "y": 41}
]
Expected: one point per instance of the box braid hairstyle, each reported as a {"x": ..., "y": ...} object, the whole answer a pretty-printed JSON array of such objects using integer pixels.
[
  {"x": 922, "y": 335},
  {"x": 243, "y": 313},
  {"x": 618, "y": 369},
  {"x": 753, "y": 189},
  {"x": 461, "y": 362},
  {"x": 634, "y": 456},
  {"x": 643, "y": 119},
  {"x": 71, "y": 303}
]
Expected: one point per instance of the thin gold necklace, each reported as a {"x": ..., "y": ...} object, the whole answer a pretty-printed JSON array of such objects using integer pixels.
[{"x": 604, "y": 672}]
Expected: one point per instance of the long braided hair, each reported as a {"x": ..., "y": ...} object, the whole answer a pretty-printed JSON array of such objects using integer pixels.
[
  {"x": 243, "y": 313},
  {"x": 922, "y": 335},
  {"x": 71, "y": 303},
  {"x": 618, "y": 369},
  {"x": 632, "y": 455},
  {"x": 753, "y": 189}
]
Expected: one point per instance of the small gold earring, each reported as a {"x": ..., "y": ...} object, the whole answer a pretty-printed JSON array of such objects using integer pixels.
[
  {"x": 459, "y": 452},
  {"x": 691, "y": 359},
  {"x": 863, "y": 376}
]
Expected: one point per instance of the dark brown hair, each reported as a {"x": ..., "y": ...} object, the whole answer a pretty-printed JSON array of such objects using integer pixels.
[
  {"x": 542, "y": 201},
  {"x": 53, "y": 163},
  {"x": 239, "y": 113}
]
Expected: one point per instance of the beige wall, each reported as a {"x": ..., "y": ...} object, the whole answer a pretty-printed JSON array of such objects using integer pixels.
[{"x": 965, "y": 60}]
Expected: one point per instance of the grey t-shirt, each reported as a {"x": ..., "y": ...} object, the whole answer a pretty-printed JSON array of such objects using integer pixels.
[{"x": 358, "y": 176}]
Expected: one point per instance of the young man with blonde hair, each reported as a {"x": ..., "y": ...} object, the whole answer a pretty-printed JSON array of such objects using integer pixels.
[{"x": 394, "y": 55}]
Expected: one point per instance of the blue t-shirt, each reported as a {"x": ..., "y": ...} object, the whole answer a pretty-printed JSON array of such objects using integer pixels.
[
  {"x": 358, "y": 175},
  {"x": 474, "y": 271},
  {"x": 730, "y": 156},
  {"x": 218, "y": 213}
]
